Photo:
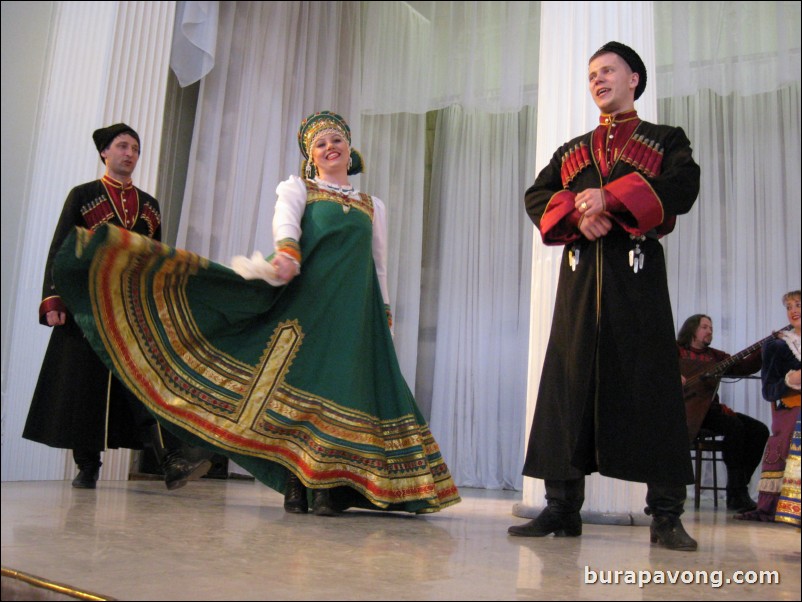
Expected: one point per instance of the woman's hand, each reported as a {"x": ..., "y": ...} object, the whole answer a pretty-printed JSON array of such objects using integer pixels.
[
  {"x": 792, "y": 379},
  {"x": 286, "y": 268}
]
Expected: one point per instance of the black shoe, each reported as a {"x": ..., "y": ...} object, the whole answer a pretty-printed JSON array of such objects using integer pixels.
[
  {"x": 322, "y": 504},
  {"x": 562, "y": 525},
  {"x": 740, "y": 501},
  {"x": 178, "y": 471},
  {"x": 87, "y": 477},
  {"x": 667, "y": 531},
  {"x": 295, "y": 501}
]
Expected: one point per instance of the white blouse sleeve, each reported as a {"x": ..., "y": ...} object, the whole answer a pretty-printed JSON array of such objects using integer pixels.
[
  {"x": 290, "y": 207},
  {"x": 380, "y": 246}
]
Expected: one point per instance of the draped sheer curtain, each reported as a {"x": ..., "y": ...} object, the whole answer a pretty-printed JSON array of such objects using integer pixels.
[
  {"x": 277, "y": 62},
  {"x": 728, "y": 73},
  {"x": 422, "y": 56},
  {"x": 460, "y": 242},
  {"x": 479, "y": 298},
  {"x": 393, "y": 147},
  {"x": 475, "y": 62}
]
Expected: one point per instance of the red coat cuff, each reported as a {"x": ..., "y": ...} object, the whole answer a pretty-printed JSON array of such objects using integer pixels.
[
  {"x": 50, "y": 304},
  {"x": 634, "y": 204},
  {"x": 558, "y": 226}
]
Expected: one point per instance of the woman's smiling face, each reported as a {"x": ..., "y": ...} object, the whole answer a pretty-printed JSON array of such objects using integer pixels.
[{"x": 330, "y": 153}]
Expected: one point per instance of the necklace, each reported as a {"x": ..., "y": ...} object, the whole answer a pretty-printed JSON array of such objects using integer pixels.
[
  {"x": 342, "y": 192},
  {"x": 334, "y": 187}
]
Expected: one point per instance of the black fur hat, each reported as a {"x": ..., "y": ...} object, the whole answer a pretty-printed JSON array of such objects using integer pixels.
[
  {"x": 104, "y": 136},
  {"x": 631, "y": 58}
]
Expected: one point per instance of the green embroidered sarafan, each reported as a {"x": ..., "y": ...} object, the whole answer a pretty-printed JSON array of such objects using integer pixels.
[{"x": 300, "y": 378}]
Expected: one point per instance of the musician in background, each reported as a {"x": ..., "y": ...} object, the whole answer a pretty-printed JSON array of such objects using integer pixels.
[
  {"x": 744, "y": 437},
  {"x": 778, "y": 499}
]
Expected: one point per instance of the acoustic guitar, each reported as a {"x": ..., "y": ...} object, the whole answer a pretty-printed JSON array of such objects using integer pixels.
[{"x": 702, "y": 380}]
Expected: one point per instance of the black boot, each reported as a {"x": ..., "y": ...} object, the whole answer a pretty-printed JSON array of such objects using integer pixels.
[
  {"x": 178, "y": 471},
  {"x": 667, "y": 530},
  {"x": 295, "y": 501},
  {"x": 88, "y": 468},
  {"x": 737, "y": 492},
  {"x": 322, "y": 504},
  {"x": 87, "y": 476},
  {"x": 564, "y": 499},
  {"x": 548, "y": 522},
  {"x": 740, "y": 501},
  {"x": 666, "y": 502}
]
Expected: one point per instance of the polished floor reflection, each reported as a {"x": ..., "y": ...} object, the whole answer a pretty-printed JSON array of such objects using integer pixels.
[{"x": 232, "y": 540}]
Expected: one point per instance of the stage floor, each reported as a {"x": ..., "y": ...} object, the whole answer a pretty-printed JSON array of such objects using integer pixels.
[{"x": 232, "y": 540}]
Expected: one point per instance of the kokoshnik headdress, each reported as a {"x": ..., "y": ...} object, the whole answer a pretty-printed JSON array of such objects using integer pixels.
[{"x": 318, "y": 124}]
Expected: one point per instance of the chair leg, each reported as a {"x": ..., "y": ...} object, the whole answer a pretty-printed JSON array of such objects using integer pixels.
[
  {"x": 715, "y": 478},
  {"x": 697, "y": 481}
]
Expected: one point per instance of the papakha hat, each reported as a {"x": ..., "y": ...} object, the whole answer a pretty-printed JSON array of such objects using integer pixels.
[{"x": 103, "y": 137}]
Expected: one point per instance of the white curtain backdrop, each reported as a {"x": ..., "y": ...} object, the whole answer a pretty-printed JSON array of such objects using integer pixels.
[
  {"x": 393, "y": 147},
  {"x": 480, "y": 292},
  {"x": 459, "y": 239},
  {"x": 478, "y": 55},
  {"x": 741, "y": 48},
  {"x": 732, "y": 81}
]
